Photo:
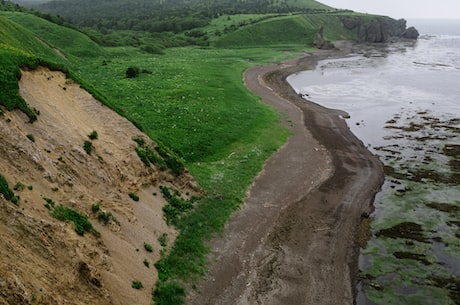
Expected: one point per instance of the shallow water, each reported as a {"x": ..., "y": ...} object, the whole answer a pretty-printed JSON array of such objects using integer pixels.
[{"x": 404, "y": 104}]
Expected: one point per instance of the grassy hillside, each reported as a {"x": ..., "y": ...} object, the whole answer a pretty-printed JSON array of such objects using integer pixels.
[
  {"x": 276, "y": 31},
  {"x": 125, "y": 14},
  {"x": 66, "y": 41},
  {"x": 20, "y": 47}
]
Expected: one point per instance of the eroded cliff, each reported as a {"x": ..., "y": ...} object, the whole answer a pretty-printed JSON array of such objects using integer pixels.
[{"x": 81, "y": 155}]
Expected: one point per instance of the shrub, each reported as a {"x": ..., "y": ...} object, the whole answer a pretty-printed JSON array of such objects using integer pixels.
[
  {"x": 132, "y": 72},
  {"x": 139, "y": 140},
  {"x": 88, "y": 147},
  {"x": 152, "y": 49},
  {"x": 172, "y": 161},
  {"x": 176, "y": 205},
  {"x": 80, "y": 221},
  {"x": 137, "y": 285},
  {"x": 95, "y": 208},
  {"x": 148, "y": 247},
  {"x": 106, "y": 217},
  {"x": 146, "y": 263},
  {"x": 15, "y": 200},
  {"x": 147, "y": 155},
  {"x": 133, "y": 196},
  {"x": 19, "y": 186},
  {"x": 5, "y": 189},
  {"x": 93, "y": 135},
  {"x": 163, "y": 239},
  {"x": 31, "y": 137},
  {"x": 49, "y": 203}
]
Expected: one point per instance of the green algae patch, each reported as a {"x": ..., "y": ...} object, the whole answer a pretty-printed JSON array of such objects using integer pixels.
[
  {"x": 444, "y": 207},
  {"x": 413, "y": 256},
  {"x": 450, "y": 284},
  {"x": 406, "y": 230}
]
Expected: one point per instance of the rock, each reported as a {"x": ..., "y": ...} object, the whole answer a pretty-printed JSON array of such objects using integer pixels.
[
  {"x": 410, "y": 33},
  {"x": 89, "y": 274},
  {"x": 379, "y": 29},
  {"x": 350, "y": 23},
  {"x": 320, "y": 42}
]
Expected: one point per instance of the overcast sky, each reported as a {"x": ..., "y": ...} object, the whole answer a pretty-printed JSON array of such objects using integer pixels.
[{"x": 407, "y": 9}]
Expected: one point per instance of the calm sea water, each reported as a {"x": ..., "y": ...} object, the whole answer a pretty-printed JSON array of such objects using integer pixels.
[{"x": 404, "y": 103}]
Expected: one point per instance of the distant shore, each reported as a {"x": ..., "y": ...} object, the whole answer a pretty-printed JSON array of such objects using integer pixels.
[{"x": 295, "y": 239}]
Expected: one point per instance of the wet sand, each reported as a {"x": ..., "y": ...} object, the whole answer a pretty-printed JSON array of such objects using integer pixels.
[{"x": 294, "y": 241}]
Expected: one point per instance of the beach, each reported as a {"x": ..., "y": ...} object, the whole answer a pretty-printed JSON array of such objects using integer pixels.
[{"x": 295, "y": 239}]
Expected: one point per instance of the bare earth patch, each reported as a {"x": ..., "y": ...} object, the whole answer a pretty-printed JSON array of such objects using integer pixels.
[{"x": 295, "y": 239}]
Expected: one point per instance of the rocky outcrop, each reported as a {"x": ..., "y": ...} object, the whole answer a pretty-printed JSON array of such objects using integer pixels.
[
  {"x": 410, "y": 33},
  {"x": 379, "y": 29},
  {"x": 320, "y": 42}
]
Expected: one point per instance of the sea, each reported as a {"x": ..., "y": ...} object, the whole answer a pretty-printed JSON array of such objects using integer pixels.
[{"x": 403, "y": 99}]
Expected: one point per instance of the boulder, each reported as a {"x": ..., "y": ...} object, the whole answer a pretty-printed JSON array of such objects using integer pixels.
[
  {"x": 320, "y": 42},
  {"x": 410, "y": 33}
]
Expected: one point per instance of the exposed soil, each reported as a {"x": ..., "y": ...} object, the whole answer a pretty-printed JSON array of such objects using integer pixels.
[
  {"x": 43, "y": 260},
  {"x": 295, "y": 239}
]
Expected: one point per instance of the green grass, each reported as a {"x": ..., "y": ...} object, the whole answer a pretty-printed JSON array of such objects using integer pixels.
[
  {"x": 67, "y": 44},
  {"x": 194, "y": 102},
  {"x": 270, "y": 32}
]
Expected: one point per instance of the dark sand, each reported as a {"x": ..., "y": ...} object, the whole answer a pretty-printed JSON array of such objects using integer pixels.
[{"x": 295, "y": 239}]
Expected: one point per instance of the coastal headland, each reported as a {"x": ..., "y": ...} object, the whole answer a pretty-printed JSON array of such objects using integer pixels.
[{"x": 295, "y": 240}]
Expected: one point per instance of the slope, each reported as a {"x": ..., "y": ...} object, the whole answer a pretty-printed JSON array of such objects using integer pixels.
[{"x": 77, "y": 162}]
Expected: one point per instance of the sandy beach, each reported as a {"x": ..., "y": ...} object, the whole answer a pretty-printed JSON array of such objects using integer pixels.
[{"x": 294, "y": 241}]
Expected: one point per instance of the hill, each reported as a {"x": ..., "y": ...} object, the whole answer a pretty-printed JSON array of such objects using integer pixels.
[{"x": 158, "y": 15}]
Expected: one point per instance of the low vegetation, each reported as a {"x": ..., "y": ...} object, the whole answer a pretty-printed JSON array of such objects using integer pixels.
[
  {"x": 88, "y": 147},
  {"x": 31, "y": 137},
  {"x": 106, "y": 218},
  {"x": 8, "y": 194},
  {"x": 148, "y": 247},
  {"x": 63, "y": 213},
  {"x": 137, "y": 285},
  {"x": 176, "y": 206},
  {"x": 163, "y": 239},
  {"x": 133, "y": 196},
  {"x": 93, "y": 135}
]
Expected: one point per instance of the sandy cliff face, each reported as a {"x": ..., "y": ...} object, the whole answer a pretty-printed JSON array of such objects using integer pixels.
[{"x": 43, "y": 260}]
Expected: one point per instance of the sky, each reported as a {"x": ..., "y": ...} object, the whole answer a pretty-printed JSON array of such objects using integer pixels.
[{"x": 407, "y": 9}]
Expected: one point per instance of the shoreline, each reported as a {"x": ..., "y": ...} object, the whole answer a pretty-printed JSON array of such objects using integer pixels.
[{"x": 294, "y": 240}]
